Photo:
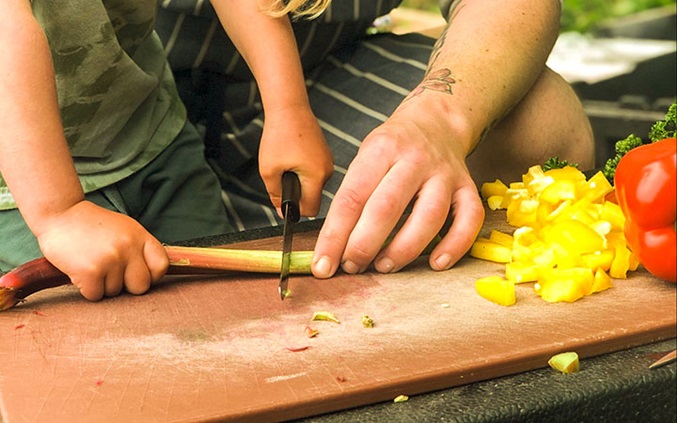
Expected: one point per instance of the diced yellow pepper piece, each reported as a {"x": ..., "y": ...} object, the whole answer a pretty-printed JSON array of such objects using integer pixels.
[
  {"x": 513, "y": 194},
  {"x": 581, "y": 210},
  {"x": 561, "y": 209},
  {"x": 535, "y": 180},
  {"x": 568, "y": 173},
  {"x": 613, "y": 214},
  {"x": 559, "y": 191},
  {"x": 489, "y": 189},
  {"x": 566, "y": 362},
  {"x": 621, "y": 262},
  {"x": 554, "y": 291},
  {"x": 496, "y": 289},
  {"x": 521, "y": 271},
  {"x": 544, "y": 256},
  {"x": 543, "y": 211},
  {"x": 325, "y": 315},
  {"x": 581, "y": 276},
  {"x": 524, "y": 236},
  {"x": 502, "y": 238},
  {"x": 491, "y": 251},
  {"x": 598, "y": 260},
  {"x": 616, "y": 239},
  {"x": 601, "y": 281},
  {"x": 597, "y": 187},
  {"x": 522, "y": 212},
  {"x": 602, "y": 227},
  {"x": 574, "y": 236},
  {"x": 495, "y": 202},
  {"x": 522, "y": 253}
]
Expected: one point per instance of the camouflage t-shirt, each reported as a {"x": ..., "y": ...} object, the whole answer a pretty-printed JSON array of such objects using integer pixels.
[{"x": 116, "y": 94}]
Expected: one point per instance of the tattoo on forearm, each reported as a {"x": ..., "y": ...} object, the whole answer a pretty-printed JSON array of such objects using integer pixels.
[
  {"x": 436, "y": 50},
  {"x": 439, "y": 80},
  {"x": 437, "y": 47}
]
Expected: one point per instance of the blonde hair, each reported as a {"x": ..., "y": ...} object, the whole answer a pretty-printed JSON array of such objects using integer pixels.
[{"x": 310, "y": 9}]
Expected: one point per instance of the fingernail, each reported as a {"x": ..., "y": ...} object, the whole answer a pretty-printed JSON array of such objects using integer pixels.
[
  {"x": 350, "y": 267},
  {"x": 385, "y": 265},
  {"x": 443, "y": 262},
  {"x": 322, "y": 268}
]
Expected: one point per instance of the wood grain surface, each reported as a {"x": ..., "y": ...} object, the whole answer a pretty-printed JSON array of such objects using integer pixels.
[{"x": 227, "y": 348}]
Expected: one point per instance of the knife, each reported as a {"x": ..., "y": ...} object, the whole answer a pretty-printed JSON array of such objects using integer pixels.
[
  {"x": 666, "y": 359},
  {"x": 291, "y": 194}
]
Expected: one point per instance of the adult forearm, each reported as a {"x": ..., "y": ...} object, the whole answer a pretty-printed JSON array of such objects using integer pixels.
[
  {"x": 486, "y": 60},
  {"x": 34, "y": 157},
  {"x": 268, "y": 46}
]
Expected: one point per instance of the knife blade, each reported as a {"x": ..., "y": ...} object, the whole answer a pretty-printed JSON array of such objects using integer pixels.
[
  {"x": 291, "y": 194},
  {"x": 666, "y": 359}
]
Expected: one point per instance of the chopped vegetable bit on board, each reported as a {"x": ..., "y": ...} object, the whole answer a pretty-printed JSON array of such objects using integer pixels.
[
  {"x": 325, "y": 315},
  {"x": 401, "y": 398},
  {"x": 367, "y": 321},
  {"x": 311, "y": 332},
  {"x": 496, "y": 289},
  {"x": 566, "y": 362}
]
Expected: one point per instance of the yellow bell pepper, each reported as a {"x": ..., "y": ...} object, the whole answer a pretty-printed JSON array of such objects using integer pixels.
[
  {"x": 566, "y": 362},
  {"x": 495, "y": 202},
  {"x": 567, "y": 173},
  {"x": 569, "y": 285},
  {"x": 597, "y": 187},
  {"x": 490, "y": 189},
  {"x": 555, "y": 291},
  {"x": 499, "y": 237},
  {"x": 521, "y": 271},
  {"x": 496, "y": 289},
  {"x": 484, "y": 249},
  {"x": 601, "y": 281},
  {"x": 574, "y": 236},
  {"x": 569, "y": 239},
  {"x": 621, "y": 262},
  {"x": 598, "y": 260},
  {"x": 557, "y": 191},
  {"x": 612, "y": 213}
]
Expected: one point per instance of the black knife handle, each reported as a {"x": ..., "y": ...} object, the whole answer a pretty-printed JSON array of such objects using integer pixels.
[{"x": 291, "y": 194}]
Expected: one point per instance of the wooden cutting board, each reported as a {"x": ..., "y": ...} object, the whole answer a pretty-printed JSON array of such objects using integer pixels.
[{"x": 227, "y": 348}]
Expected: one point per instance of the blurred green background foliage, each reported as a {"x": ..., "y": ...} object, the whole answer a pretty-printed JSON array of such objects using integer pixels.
[{"x": 577, "y": 15}]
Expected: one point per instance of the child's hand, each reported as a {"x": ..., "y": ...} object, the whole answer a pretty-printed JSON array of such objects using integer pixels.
[
  {"x": 293, "y": 141},
  {"x": 103, "y": 251}
]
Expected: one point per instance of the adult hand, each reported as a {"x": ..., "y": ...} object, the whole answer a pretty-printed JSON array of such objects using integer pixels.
[
  {"x": 102, "y": 251},
  {"x": 413, "y": 156},
  {"x": 293, "y": 141}
]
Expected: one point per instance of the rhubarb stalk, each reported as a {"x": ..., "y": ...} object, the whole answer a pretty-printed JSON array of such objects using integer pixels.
[
  {"x": 185, "y": 259},
  {"x": 40, "y": 274}
]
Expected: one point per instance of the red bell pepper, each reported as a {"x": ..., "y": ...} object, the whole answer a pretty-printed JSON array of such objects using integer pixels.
[{"x": 646, "y": 188}]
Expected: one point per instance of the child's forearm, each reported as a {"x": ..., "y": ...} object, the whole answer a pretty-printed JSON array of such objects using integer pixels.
[
  {"x": 34, "y": 157},
  {"x": 269, "y": 48}
]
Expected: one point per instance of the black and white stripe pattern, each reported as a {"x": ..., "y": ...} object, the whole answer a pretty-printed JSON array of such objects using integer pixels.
[{"x": 354, "y": 83}]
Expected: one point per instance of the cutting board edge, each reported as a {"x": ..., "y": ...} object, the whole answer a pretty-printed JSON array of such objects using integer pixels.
[{"x": 429, "y": 382}]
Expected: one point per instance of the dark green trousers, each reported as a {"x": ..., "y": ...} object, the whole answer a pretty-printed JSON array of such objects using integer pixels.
[{"x": 175, "y": 197}]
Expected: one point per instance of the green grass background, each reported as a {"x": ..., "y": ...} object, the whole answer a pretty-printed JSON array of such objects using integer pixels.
[{"x": 577, "y": 15}]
